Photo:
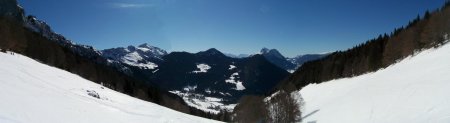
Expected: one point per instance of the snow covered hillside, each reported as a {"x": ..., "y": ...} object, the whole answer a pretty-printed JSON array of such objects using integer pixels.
[
  {"x": 32, "y": 92},
  {"x": 415, "y": 90}
]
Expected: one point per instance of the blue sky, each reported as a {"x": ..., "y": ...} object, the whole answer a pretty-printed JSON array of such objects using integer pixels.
[{"x": 232, "y": 26}]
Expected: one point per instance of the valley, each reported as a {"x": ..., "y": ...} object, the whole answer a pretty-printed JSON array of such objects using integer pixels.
[{"x": 396, "y": 76}]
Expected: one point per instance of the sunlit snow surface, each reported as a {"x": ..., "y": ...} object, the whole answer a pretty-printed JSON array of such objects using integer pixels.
[
  {"x": 415, "y": 90},
  {"x": 232, "y": 67},
  {"x": 202, "y": 68},
  {"x": 32, "y": 92},
  {"x": 133, "y": 60},
  {"x": 202, "y": 102},
  {"x": 233, "y": 80}
]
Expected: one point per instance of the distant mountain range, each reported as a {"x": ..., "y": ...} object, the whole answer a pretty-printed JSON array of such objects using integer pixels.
[
  {"x": 216, "y": 80},
  {"x": 289, "y": 64},
  {"x": 236, "y": 56},
  {"x": 208, "y": 80},
  {"x": 301, "y": 59}
]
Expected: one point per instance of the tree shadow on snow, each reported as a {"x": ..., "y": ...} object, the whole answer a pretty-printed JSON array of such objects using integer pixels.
[{"x": 313, "y": 112}]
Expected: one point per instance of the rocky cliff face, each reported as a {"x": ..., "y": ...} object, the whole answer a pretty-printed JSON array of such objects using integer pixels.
[{"x": 10, "y": 9}]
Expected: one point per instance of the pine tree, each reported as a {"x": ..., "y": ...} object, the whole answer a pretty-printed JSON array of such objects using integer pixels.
[
  {"x": 427, "y": 15},
  {"x": 447, "y": 3}
]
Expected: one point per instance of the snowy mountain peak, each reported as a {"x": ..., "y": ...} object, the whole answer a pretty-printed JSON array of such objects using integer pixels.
[
  {"x": 145, "y": 49},
  {"x": 151, "y": 49},
  {"x": 144, "y": 55},
  {"x": 145, "y": 45}
]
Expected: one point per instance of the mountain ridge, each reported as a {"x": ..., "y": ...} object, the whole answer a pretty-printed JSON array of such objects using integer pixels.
[{"x": 210, "y": 74}]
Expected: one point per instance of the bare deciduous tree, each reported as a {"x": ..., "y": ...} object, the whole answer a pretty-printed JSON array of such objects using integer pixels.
[{"x": 284, "y": 108}]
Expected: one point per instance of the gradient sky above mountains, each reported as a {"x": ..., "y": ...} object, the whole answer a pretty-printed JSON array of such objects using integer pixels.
[{"x": 232, "y": 26}]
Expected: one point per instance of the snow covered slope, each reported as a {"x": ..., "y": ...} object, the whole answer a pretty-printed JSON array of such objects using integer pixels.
[
  {"x": 415, "y": 90},
  {"x": 32, "y": 92}
]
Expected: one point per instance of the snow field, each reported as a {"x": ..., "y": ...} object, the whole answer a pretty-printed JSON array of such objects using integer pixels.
[
  {"x": 32, "y": 92},
  {"x": 414, "y": 90}
]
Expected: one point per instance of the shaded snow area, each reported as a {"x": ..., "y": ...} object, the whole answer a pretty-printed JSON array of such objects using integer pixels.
[
  {"x": 234, "y": 80},
  {"x": 202, "y": 102},
  {"x": 202, "y": 68},
  {"x": 32, "y": 92},
  {"x": 414, "y": 90},
  {"x": 134, "y": 59}
]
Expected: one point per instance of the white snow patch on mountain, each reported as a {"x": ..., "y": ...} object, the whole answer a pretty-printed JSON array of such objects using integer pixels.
[
  {"x": 133, "y": 60},
  {"x": 202, "y": 68},
  {"x": 148, "y": 65},
  {"x": 291, "y": 71},
  {"x": 414, "y": 90},
  {"x": 225, "y": 94},
  {"x": 144, "y": 49},
  {"x": 202, "y": 102},
  {"x": 234, "y": 80},
  {"x": 190, "y": 88},
  {"x": 232, "y": 67},
  {"x": 32, "y": 92},
  {"x": 155, "y": 70},
  {"x": 239, "y": 86},
  {"x": 208, "y": 91},
  {"x": 132, "y": 57}
]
